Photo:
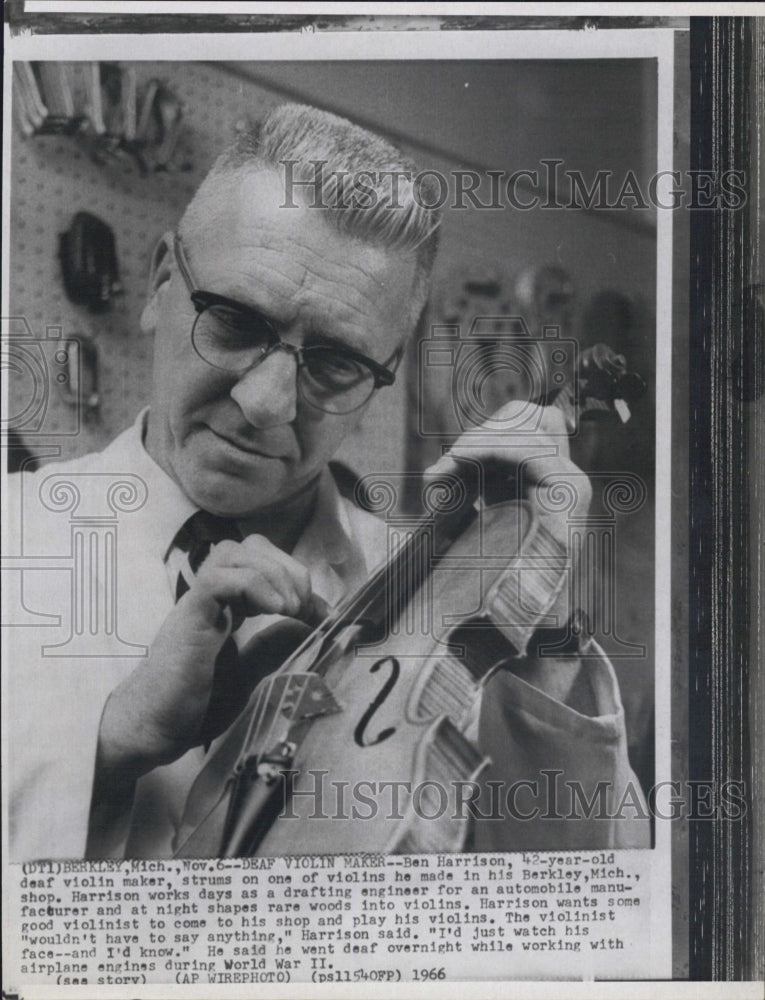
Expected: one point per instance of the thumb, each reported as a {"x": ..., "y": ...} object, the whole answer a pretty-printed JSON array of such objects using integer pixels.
[{"x": 445, "y": 466}]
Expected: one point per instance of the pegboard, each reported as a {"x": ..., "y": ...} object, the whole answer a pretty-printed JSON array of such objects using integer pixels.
[{"x": 52, "y": 177}]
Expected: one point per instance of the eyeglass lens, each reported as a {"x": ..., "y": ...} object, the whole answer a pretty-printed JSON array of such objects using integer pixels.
[{"x": 234, "y": 342}]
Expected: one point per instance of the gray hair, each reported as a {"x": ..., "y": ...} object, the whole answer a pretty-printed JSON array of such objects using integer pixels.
[{"x": 328, "y": 158}]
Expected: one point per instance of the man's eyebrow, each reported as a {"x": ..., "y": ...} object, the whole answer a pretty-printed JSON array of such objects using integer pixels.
[
  {"x": 315, "y": 336},
  {"x": 248, "y": 308}
]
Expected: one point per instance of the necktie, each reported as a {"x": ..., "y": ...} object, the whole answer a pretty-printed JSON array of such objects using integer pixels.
[
  {"x": 195, "y": 539},
  {"x": 231, "y": 686}
]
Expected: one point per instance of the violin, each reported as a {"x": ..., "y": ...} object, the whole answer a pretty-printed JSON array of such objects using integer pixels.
[{"x": 385, "y": 691}]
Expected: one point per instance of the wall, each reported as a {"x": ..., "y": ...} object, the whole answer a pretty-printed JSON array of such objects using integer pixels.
[{"x": 446, "y": 114}]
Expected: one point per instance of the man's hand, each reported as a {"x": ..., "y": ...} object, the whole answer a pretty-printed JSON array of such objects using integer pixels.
[
  {"x": 526, "y": 447},
  {"x": 530, "y": 442},
  {"x": 155, "y": 714}
]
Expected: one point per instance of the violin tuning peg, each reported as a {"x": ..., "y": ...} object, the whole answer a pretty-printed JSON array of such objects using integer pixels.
[{"x": 623, "y": 410}]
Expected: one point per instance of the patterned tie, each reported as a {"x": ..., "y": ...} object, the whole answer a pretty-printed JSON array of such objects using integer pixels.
[{"x": 231, "y": 686}]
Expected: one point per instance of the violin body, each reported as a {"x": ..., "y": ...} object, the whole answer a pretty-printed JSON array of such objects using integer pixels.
[{"x": 384, "y": 761}]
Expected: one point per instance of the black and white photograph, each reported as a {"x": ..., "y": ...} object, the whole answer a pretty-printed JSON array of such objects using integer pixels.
[{"x": 348, "y": 618}]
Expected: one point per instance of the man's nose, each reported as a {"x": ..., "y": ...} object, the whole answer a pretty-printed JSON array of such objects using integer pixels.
[{"x": 267, "y": 394}]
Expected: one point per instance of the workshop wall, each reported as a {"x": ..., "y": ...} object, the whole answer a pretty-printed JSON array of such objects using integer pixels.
[{"x": 511, "y": 118}]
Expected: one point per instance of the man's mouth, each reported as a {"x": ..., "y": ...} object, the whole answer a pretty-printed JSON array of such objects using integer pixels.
[{"x": 251, "y": 448}]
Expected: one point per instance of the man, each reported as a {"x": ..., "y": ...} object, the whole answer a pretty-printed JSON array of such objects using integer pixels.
[{"x": 275, "y": 315}]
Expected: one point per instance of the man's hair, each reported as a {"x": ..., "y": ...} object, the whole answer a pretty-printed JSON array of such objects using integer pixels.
[{"x": 363, "y": 184}]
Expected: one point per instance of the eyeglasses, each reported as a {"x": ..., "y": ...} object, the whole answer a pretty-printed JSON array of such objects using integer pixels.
[{"x": 235, "y": 338}]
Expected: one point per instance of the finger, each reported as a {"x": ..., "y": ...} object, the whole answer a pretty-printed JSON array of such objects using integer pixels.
[
  {"x": 530, "y": 471},
  {"x": 256, "y": 545},
  {"x": 256, "y": 551},
  {"x": 317, "y": 610},
  {"x": 285, "y": 574},
  {"x": 546, "y": 490},
  {"x": 532, "y": 458},
  {"x": 247, "y": 591},
  {"x": 519, "y": 419},
  {"x": 231, "y": 556},
  {"x": 447, "y": 465},
  {"x": 504, "y": 442}
]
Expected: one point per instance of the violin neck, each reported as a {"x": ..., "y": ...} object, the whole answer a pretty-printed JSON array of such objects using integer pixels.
[{"x": 391, "y": 588}]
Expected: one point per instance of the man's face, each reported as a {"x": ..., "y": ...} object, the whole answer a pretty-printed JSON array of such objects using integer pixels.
[{"x": 239, "y": 444}]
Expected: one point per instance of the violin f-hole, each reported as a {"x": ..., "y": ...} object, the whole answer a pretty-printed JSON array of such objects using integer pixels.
[{"x": 385, "y": 690}]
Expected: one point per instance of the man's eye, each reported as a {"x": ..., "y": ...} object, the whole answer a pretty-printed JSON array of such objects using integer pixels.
[
  {"x": 237, "y": 329},
  {"x": 332, "y": 368}
]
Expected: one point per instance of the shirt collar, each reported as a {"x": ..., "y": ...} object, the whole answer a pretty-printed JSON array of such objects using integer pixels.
[{"x": 329, "y": 532}]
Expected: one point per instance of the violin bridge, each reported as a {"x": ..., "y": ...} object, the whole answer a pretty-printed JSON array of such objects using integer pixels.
[
  {"x": 309, "y": 698},
  {"x": 285, "y": 703}
]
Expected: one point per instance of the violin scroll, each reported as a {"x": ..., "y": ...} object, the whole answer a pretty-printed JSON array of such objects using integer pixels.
[{"x": 604, "y": 378}]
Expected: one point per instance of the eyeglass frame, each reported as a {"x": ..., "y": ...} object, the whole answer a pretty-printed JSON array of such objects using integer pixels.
[{"x": 202, "y": 300}]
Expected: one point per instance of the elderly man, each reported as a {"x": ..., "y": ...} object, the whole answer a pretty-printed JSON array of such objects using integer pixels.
[{"x": 276, "y": 315}]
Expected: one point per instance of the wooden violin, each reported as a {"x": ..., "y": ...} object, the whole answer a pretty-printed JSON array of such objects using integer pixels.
[{"x": 386, "y": 690}]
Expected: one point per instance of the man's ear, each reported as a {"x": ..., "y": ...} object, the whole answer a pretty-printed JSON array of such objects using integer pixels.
[{"x": 159, "y": 276}]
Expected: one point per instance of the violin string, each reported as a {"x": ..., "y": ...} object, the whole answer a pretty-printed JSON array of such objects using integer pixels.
[
  {"x": 409, "y": 552},
  {"x": 267, "y": 722},
  {"x": 263, "y": 691},
  {"x": 266, "y": 715},
  {"x": 427, "y": 527},
  {"x": 352, "y": 610}
]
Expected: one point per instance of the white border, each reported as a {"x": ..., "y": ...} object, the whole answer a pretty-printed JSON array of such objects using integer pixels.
[{"x": 638, "y": 43}]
